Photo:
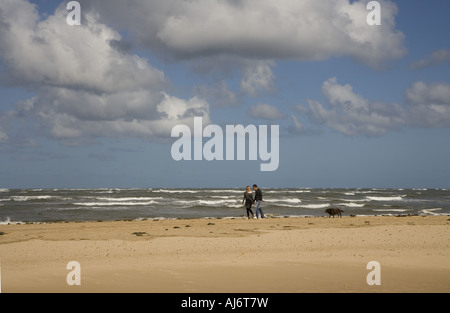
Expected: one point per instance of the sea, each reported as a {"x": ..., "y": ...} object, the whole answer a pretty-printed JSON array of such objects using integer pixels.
[{"x": 111, "y": 204}]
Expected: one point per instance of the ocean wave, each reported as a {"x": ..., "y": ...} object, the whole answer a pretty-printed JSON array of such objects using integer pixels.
[
  {"x": 118, "y": 203},
  {"x": 225, "y": 202},
  {"x": 223, "y": 197},
  {"x": 284, "y": 205},
  {"x": 352, "y": 204},
  {"x": 287, "y": 191},
  {"x": 8, "y": 221},
  {"x": 315, "y": 206},
  {"x": 216, "y": 202},
  {"x": 390, "y": 210},
  {"x": 291, "y": 200},
  {"x": 4, "y": 190},
  {"x": 176, "y": 191},
  {"x": 354, "y": 200},
  {"x": 27, "y": 198},
  {"x": 283, "y": 200},
  {"x": 391, "y": 198},
  {"x": 227, "y": 190},
  {"x": 431, "y": 211},
  {"x": 125, "y": 199}
]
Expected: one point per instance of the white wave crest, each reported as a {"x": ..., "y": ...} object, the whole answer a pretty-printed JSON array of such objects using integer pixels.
[
  {"x": 215, "y": 202},
  {"x": 128, "y": 199},
  {"x": 118, "y": 203},
  {"x": 176, "y": 191},
  {"x": 316, "y": 206},
  {"x": 352, "y": 204},
  {"x": 392, "y": 198},
  {"x": 390, "y": 210},
  {"x": 431, "y": 211},
  {"x": 27, "y": 198},
  {"x": 223, "y": 197},
  {"x": 8, "y": 221}
]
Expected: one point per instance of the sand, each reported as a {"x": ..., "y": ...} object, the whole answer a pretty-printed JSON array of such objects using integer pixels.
[{"x": 274, "y": 255}]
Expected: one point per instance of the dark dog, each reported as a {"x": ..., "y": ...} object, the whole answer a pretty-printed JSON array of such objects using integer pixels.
[{"x": 333, "y": 212}]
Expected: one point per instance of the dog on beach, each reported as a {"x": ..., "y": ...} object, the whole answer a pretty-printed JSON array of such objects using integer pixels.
[{"x": 333, "y": 212}]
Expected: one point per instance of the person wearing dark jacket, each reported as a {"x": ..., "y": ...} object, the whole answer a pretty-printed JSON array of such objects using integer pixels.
[
  {"x": 258, "y": 199},
  {"x": 248, "y": 199}
]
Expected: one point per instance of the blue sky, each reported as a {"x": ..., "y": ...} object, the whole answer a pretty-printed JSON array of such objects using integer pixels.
[{"x": 93, "y": 105}]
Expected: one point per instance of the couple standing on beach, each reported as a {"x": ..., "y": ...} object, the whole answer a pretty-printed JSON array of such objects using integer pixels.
[{"x": 250, "y": 199}]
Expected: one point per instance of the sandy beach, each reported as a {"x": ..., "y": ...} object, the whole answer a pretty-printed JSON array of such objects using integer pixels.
[{"x": 273, "y": 255}]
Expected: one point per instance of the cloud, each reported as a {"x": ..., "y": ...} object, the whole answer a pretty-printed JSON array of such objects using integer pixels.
[
  {"x": 435, "y": 59},
  {"x": 85, "y": 87},
  {"x": 427, "y": 105},
  {"x": 3, "y": 137},
  {"x": 422, "y": 93},
  {"x": 49, "y": 52},
  {"x": 259, "y": 30},
  {"x": 4, "y": 121},
  {"x": 217, "y": 36},
  {"x": 79, "y": 117},
  {"x": 352, "y": 114},
  {"x": 217, "y": 95},
  {"x": 265, "y": 111},
  {"x": 296, "y": 127},
  {"x": 257, "y": 76},
  {"x": 176, "y": 109}
]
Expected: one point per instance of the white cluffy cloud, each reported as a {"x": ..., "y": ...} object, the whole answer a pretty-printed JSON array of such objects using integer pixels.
[
  {"x": 49, "y": 52},
  {"x": 427, "y": 105},
  {"x": 84, "y": 86},
  {"x": 253, "y": 35},
  {"x": 264, "y": 29},
  {"x": 352, "y": 114}
]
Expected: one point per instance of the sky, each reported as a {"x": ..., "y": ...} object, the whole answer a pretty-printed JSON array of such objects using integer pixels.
[{"x": 93, "y": 105}]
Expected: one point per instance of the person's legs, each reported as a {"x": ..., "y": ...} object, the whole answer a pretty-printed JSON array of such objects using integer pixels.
[
  {"x": 249, "y": 210},
  {"x": 259, "y": 210}
]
